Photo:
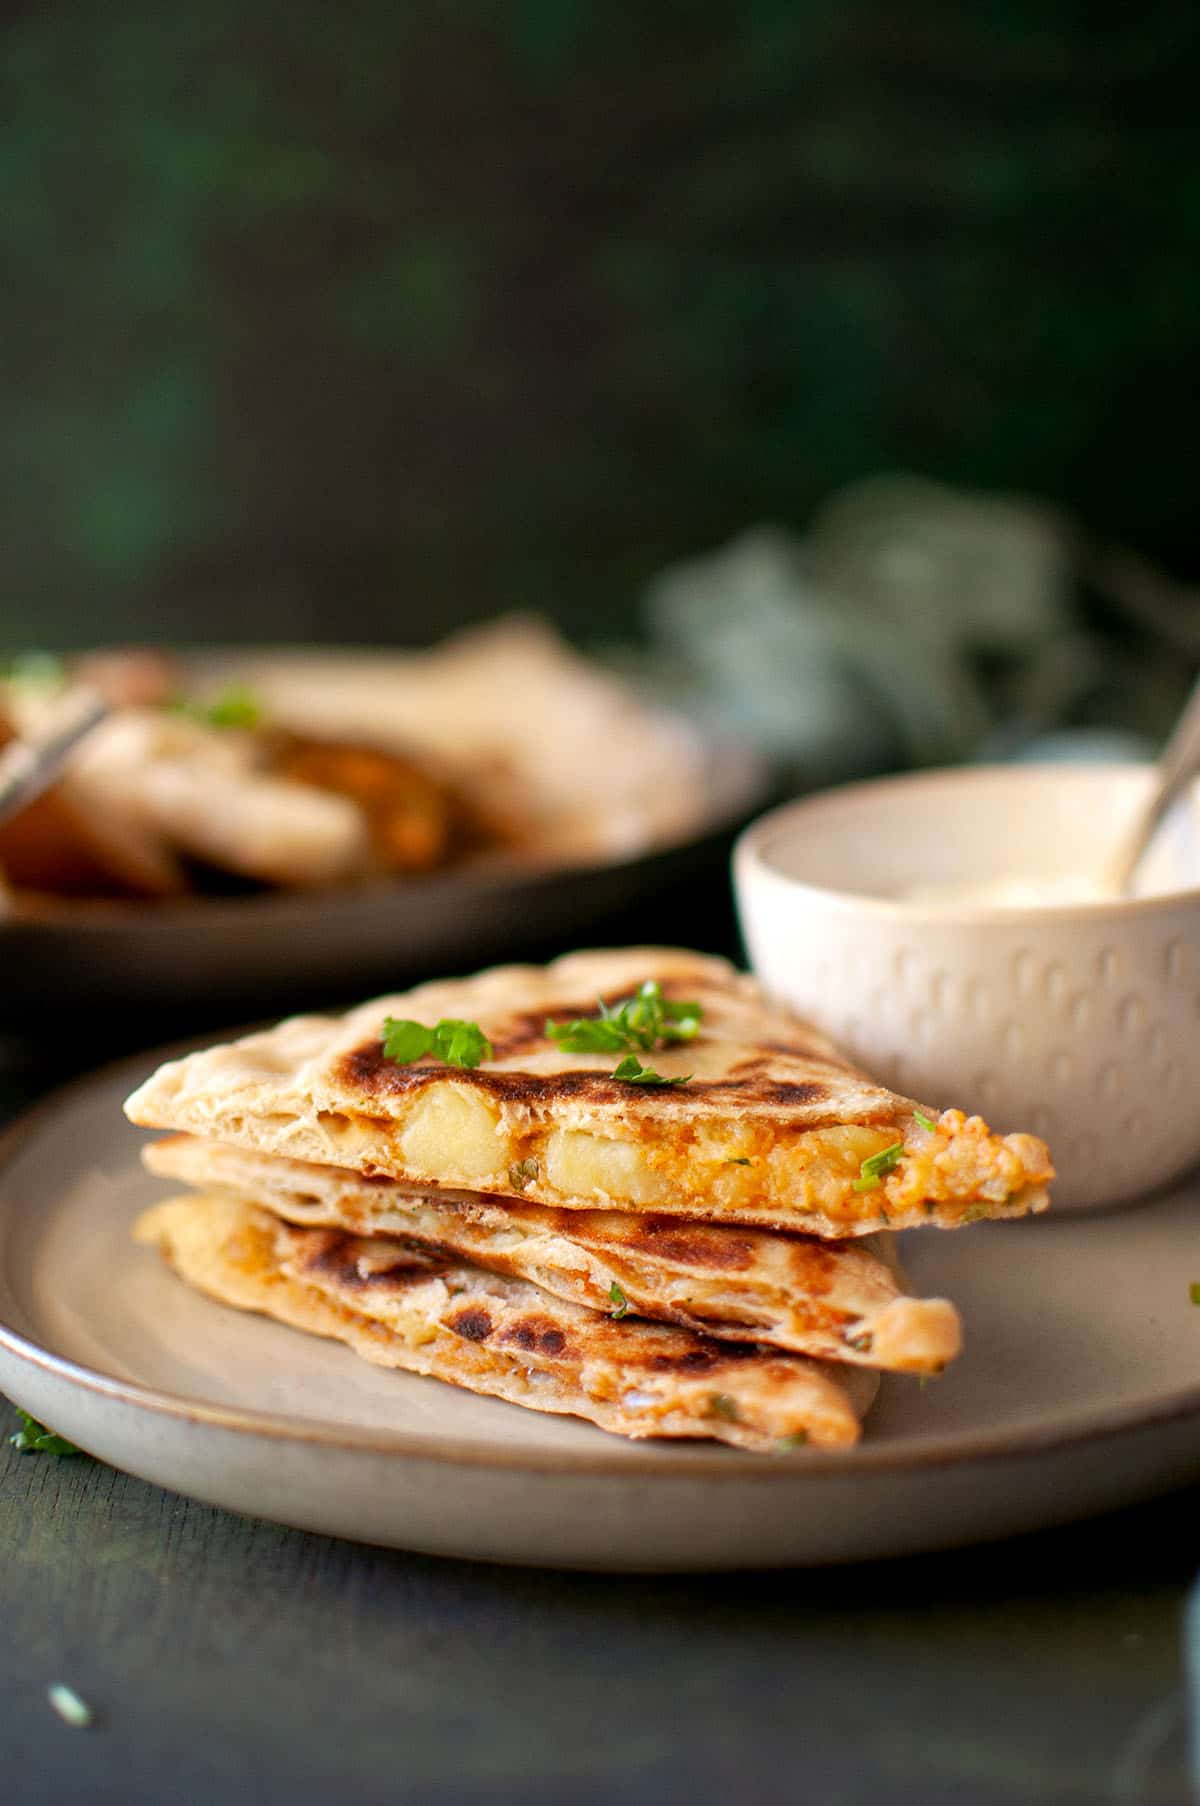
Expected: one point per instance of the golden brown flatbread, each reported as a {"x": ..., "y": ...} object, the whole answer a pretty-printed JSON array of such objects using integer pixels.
[
  {"x": 832, "y": 1300},
  {"x": 772, "y": 1128},
  {"x": 403, "y": 1306}
]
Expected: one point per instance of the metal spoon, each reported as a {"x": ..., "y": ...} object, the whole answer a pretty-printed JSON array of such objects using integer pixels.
[
  {"x": 1178, "y": 764},
  {"x": 28, "y": 767}
]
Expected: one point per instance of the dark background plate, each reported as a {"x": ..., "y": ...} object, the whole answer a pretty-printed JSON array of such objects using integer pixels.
[{"x": 206, "y": 956}]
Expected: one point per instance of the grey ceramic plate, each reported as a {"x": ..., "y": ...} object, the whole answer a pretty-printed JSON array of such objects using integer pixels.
[
  {"x": 289, "y": 947},
  {"x": 1079, "y": 1390}
]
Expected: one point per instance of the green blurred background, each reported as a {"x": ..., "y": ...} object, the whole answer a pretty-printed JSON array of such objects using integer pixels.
[{"x": 363, "y": 322}]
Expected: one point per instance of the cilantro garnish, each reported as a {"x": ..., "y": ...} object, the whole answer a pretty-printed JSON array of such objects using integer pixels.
[
  {"x": 33, "y": 1438},
  {"x": 620, "y": 1302},
  {"x": 70, "y": 1708},
  {"x": 522, "y": 1173},
  {"x": 632, "y": 1072},
  {"x": 645, "y": 1020},
  {"x": 738, "y": 1160},
  {"x": 786, "y": 1444},
  {"x": 876, "y": 1165},
  {"x": 237, "y": 706},
  {"x": 923, "y": 1120},
  {"x": 721, "y": 1405},
  {"x": 1194, "y": 1291},
  {"x": 38, "y": 670},
  {"x": 457, "y": 1043}
]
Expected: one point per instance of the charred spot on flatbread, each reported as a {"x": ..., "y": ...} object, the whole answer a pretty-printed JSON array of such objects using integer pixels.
[
  {"x": 536, "y": 1335},
  {"x": 690, "y": 1245},
  {"x": 473, "y": 1323},
  {"x": 368, "y": 1071},
  {"x": 334, "y": 1255}
]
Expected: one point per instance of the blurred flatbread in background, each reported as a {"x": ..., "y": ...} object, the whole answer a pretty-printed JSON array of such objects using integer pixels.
[
  {"x": 149, "y": 784},
  {"x": 78, "y": 840},
  {"x": 537, "y": 732},
  {"x": 202, "y": 788}
]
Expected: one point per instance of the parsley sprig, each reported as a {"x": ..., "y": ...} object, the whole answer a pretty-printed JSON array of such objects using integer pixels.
[
  {"x": 873, "y": 1168},
  {"x": 235, "y": 706},
  {"x": 638, "y": 1023},
  {"x": 70, "y": 1708},
  {"x": 34, "y": 670},
  {"x": 33, "y": 1438},
  {"x": 645, "y": 1020},
  {"x": 457, "y": 1043},
  {"x": 632, "y": 1072}
]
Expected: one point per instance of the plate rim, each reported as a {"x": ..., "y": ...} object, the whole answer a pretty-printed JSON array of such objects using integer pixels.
[{"x": 725, "y": 1465}]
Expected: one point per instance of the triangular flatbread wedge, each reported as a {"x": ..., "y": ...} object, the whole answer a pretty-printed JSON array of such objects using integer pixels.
[
  {"x": 832, "y": 1300},
  {"x": 772, "y": 1127},
  {"x": 401, "y": 1306}
]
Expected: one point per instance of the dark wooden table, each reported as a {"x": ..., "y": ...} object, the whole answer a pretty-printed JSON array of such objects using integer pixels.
[{"x": 236, "y": 1662}]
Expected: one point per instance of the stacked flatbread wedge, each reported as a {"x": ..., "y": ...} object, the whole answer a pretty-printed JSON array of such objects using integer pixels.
[{"x": 701, "y": 1248}]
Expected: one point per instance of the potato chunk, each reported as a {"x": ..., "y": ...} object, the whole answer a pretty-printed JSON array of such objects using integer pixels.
[
  {"x": 452, "y": 1130},
  {"x": 582, "y": 1165}
]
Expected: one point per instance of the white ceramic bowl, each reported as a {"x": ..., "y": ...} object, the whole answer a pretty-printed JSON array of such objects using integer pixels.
[{"x": 1079, "y": 1022}]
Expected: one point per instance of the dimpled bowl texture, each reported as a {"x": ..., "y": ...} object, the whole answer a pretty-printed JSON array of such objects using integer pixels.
[{"x": 1079, "y": 1022}]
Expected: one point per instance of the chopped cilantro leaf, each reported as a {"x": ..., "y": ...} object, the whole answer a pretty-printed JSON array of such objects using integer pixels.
[
  {"x": 738, "y": 1160},
  {"x": 70, "y": 1708},
  {"x": 405, "y": 1041},
  {"x": 522, "y": 1173},
  {"x": 632, "y": 1072},
  {"x": 588, "y": 1035},
  {"x": 645, "y": 1020},
  {"x": 33, "y": 1438},
  {"x": 620, "y": 1302},
  {"x": 457, "y": 1043},
  {"x": 37, "y": 670},
  {"x": 237, "y": 706},
  {"x": 875, "y": 1166},
  {"x": 721, "y": 1405}
]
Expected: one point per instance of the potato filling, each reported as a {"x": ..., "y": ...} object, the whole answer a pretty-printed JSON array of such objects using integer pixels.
[{"x": 456, "y": 1136}]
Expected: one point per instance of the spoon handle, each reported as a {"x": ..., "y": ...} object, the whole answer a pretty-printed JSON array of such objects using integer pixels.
[
  {"x": 28, "y": 767},
  {"x": 1177, "y": 766}
]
